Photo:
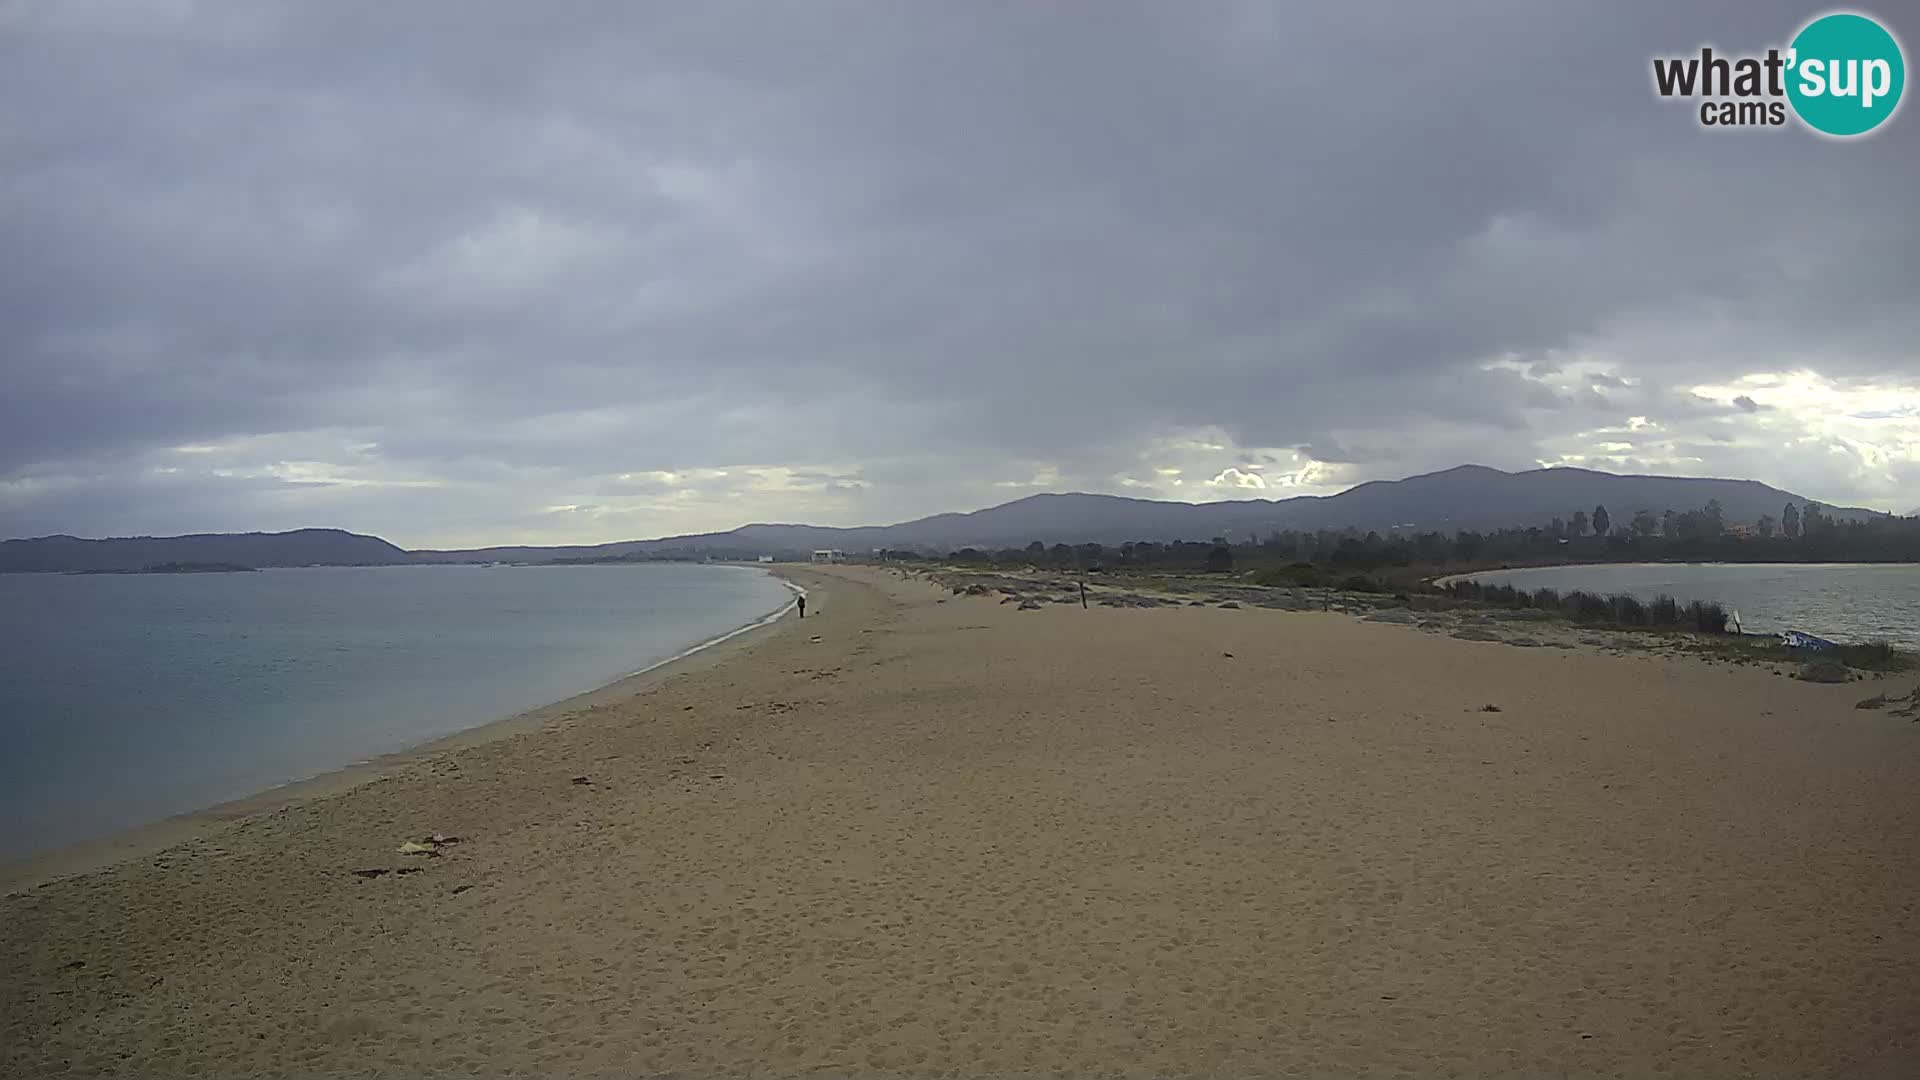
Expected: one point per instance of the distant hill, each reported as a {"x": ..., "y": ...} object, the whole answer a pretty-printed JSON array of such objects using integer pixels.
[
  {"x": 302, "y": 547},
  {"x": 1467, "y": 497}
]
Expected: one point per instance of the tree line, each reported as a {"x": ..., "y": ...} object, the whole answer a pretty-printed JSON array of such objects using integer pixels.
[{"x": 1801, "y": 533}]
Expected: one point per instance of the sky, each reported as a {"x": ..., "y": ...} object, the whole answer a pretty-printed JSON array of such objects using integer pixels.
[{"x": 458, "y": 274}]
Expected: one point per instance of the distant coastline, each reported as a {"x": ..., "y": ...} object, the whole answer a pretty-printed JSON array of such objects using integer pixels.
[
  {"x": 1461, "y": 518},
  {"x": 178, "y": 568}
]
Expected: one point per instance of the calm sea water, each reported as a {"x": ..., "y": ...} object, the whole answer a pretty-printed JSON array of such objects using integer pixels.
[
  {"x": 1843, "y": 601},
  {"x": 127, "y": 698}
]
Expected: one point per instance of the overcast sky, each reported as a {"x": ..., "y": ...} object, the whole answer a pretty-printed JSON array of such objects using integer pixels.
[{"x": 466, "y": 273}]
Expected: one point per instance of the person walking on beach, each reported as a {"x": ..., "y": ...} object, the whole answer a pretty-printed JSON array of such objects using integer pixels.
[{"x": 801, "y": 599}]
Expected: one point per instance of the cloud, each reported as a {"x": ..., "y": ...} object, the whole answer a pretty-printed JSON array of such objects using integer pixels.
[
  {"x": 1233, "y": 479},
  {"x": 681, "y": 267}
]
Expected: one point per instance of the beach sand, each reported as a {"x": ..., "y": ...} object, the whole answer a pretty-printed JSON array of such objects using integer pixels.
[{"x": 919, "y": 834}]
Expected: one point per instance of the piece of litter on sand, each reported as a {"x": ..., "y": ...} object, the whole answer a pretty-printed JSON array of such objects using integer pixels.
[
  {"x": 815, "y": 639},
  {"x": 1489, "y": 708},
  {"x": 458, "y": 889},
  {"x": 415, "y": 847},
  {"x": 582, "y": 781},
  {"x": 442, "y": 839}
]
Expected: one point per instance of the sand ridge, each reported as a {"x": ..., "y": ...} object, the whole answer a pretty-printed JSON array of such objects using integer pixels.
[{"x": 918, "y": 834}]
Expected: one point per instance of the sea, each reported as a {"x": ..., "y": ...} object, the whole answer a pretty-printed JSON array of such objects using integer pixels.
[
  {"x": 127, "y": 698},
  {"x": 1848, "y": 602}
]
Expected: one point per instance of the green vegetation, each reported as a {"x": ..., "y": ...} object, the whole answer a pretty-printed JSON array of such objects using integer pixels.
[
  {"x": 1398, "y": 569},
  {"x": 1802, "y": 534},
  {"x": 1661, "y": 611},
  {"x": 1874, "y": 656},
  {"x": 1496, "y": 613}
]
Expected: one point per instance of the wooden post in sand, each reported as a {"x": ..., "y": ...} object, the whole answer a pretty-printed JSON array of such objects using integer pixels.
[{"x": 1083, "y": 594}]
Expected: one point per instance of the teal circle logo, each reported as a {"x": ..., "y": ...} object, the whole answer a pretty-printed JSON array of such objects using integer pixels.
[{"x": 1845, "y": 74}]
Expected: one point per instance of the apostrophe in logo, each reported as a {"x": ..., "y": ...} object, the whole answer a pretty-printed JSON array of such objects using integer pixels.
[
  {"x": 1842, "y": 75},
  {"x": 1846, "y": 74}
]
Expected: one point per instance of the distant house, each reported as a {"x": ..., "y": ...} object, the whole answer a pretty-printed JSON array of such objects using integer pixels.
[
  {"x": 766, "y": 558},
  {"x": 829, "y": 555}
]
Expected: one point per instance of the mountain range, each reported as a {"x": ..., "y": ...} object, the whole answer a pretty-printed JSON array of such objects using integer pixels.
[{"x": 1466, "y": 497}]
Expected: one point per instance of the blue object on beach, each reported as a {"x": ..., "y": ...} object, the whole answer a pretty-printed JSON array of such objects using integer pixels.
[{"x": 1796, "y": 639}]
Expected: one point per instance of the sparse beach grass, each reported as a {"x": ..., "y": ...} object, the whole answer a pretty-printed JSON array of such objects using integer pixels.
[{"x": 1464, "y": 610}]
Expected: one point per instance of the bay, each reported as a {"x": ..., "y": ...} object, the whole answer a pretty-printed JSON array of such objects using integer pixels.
[{"x": 126, "y": 698}]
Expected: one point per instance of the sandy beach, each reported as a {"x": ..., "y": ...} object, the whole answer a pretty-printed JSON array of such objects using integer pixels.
[{"x": 924, "y": 834}]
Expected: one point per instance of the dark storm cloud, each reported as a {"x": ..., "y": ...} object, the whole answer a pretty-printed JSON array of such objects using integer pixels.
[{"x": 437, "y": 269}]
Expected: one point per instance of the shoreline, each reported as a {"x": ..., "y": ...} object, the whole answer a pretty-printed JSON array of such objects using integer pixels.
[
  {"x": 140, "y": 841},
  {"x": 941, "y": 834},
  {"x": 1671, "y": 562},
  {"x": 799, "y": 593}
]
